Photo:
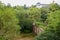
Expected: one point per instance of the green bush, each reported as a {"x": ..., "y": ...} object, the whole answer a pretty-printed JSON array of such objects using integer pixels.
[
  {"x": 8, "y": 23},
  {"x": 26, "y": 26},
  {"x": 47, "y": 36}
]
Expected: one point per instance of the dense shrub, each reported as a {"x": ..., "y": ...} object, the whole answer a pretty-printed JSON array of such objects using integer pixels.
[
  {"x": 26, "y": 26},
  {"x": 53, "y": 29},
  {"x": 48, "y": 36},
  {"x": 8, "y": 24}
]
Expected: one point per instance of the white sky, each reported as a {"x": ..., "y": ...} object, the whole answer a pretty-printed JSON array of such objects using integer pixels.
[{"x": 28, "y": 2}]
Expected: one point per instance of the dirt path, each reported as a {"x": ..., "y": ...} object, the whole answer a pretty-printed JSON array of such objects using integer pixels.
[{"x": 26, "y": 37}]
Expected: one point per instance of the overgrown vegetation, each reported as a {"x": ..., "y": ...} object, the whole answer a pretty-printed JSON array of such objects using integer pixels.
[{"x": 19, "y": 19}]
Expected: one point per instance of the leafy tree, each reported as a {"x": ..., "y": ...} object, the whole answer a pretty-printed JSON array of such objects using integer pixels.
[
  {"x": 53, "y": 7},
  {"x": 52, "y": 32},
  {"x": 8, "y": 24}
]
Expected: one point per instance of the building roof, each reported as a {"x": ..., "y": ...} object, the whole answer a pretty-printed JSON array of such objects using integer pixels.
[{"x": 39, "y": 5}]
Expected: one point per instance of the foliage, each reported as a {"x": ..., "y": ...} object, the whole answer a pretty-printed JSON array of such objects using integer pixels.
[
  {"x": 53, "y": 18},
  {"x": 8, "y": 23},
  {"x": 47, "y": 36},
  {"x": 52, "y": 32},
  {"x": 53, "y": 7},
  {"x": 20, "y": 19}
]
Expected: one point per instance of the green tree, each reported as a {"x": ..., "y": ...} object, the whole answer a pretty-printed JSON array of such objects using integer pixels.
[
  {"x": 52, "y": 32},
  {"x": 53, "y": 7},
  {"x": 8, "y": 24}
]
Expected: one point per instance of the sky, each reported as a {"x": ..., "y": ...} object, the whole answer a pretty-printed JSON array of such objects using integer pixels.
[{"x": 28, "y": 2}]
